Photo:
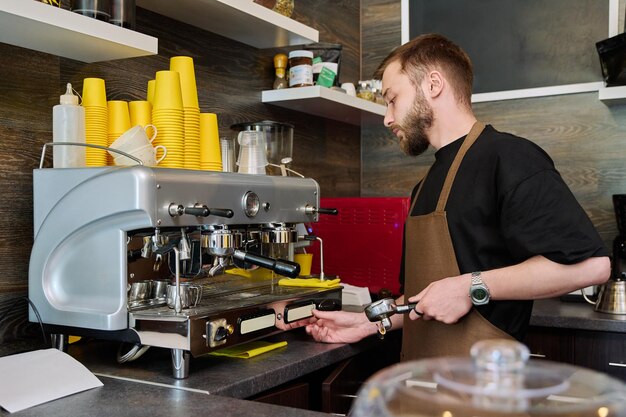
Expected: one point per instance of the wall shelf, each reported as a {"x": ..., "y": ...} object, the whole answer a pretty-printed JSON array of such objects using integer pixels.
[
  {"x": 324, "y": 102},
  {"x": 612, "y": 95},
  {"x": 41, "y": 27},
  {"x": 240, "y": 20}
]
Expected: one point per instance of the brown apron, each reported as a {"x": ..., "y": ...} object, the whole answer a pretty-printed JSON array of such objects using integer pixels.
[{"x": 429, "y": 256}]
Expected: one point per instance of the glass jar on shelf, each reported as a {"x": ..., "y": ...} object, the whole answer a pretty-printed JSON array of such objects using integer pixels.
[
  {"x": 364, "y": 90},
  {"x": 284, "y": 7}
]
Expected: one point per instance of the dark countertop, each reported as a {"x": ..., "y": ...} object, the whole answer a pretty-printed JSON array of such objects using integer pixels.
[
  {"x": 146, "y": 386},
  {"x": 575, "y": 315},
  {"x": 127, "y": 398},
  {"x": 232, "y": 377}
]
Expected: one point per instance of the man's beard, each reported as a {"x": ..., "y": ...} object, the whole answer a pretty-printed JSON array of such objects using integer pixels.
[{"x": 414, "y": 126}]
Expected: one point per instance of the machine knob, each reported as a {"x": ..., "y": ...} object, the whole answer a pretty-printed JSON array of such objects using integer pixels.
[
  {"x": 223, "y": 332},
  {"x": 198, "y": 211},
  {"x": 201, "y": 210},
  {"x": 221, "y": 212},
  {"x": 308, "y": 209},
  {"x": 176, "y": 209}
]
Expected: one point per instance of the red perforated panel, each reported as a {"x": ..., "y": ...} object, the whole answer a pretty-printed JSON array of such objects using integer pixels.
[{"x": 363, "y": 243}]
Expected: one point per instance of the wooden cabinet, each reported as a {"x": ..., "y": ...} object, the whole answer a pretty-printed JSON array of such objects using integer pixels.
[
  {"x": 602, "y": 351},
  {"x": 341, "y": 386},
  {"x": 551, "y": 344},
  {"x": 334, "y": 388},
  {"x": 295, "y": 395}
]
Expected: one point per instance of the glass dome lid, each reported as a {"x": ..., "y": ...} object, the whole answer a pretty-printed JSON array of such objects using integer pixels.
[{"x": 498, "y": 380}]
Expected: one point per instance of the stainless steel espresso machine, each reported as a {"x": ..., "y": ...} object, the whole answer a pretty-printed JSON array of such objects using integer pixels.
[{"x": 147, "y": 255}]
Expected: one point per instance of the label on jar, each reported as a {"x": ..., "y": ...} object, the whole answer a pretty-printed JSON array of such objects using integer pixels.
[{"x": 300, "y": 76}]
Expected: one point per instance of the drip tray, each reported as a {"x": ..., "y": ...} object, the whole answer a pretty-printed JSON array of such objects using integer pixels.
[{"x": 231, "y": 292}]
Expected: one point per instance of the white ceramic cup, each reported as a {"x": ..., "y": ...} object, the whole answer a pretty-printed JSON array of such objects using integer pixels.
[
  {"x": 134, "y": 138},
  {"x": 147, "y": 154},
  {"x": 350, "y": 89}
]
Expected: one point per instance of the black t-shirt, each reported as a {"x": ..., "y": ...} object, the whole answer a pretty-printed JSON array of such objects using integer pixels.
[{"x": 508, "y": 203}]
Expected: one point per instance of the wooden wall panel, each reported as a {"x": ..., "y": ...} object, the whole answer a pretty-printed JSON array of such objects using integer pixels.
[
  {"x": 380, "y": 33},
  {"x": 230, "y": 77}
]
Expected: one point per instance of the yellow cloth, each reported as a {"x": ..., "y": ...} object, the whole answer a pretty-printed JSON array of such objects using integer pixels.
[
  {"x": 248, "y": 350},
  {"x": 260, "y": 273},
  {"x": 309, "y": 282}
]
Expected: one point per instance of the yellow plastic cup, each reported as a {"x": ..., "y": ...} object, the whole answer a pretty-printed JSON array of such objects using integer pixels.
[
  {"x": 210, "y": 140},
  {"x": 140, "y": 113},
  {"x": 167, "y": 92},
  {"x": 94, "y": 92},
  {"x": 184, "y": 66},
  {"x": 150, "y": 95},
  {"x": 119, "y": 118},
  {"x": 305, "y": 260}
]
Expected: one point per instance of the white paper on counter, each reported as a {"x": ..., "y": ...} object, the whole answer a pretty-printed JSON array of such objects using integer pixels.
[{"x": 32, "y": 378}]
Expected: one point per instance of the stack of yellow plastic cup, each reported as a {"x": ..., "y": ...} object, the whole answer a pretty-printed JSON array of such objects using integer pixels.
[
  {"x": 119, "y": 122},
  {"x": 191, "y": 110},
  {"x": 210, "y": 151},
  {"x": 167, "y": 117},
  {"x": 150, "y": 93},
  {"x": 96, "y": 120},
  {"x": 140, "y": 112}
]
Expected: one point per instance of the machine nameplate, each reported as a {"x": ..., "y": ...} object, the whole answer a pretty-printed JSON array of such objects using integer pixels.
[
  {"x": 257, "y": 323},
  {"x": 298, "y": 313}
]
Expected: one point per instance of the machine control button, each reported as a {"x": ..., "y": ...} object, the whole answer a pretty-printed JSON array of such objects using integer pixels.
[{"x": 329, "y": 304}]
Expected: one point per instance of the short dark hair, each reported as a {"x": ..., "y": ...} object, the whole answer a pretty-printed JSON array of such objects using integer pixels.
[{"x": 434, "y": 51}]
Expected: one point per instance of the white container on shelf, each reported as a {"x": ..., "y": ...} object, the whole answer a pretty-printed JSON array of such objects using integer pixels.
[{"x": 68, "y": 125}]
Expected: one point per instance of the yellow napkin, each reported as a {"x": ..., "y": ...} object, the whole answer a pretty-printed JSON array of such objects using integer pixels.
[
  {"x": 309, "y": 282},
  {"x": 248, "y": 350},
  {"x": 260, "y": 273}
]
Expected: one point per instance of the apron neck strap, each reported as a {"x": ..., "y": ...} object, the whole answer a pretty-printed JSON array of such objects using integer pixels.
[{"x": 471, "y": 137}]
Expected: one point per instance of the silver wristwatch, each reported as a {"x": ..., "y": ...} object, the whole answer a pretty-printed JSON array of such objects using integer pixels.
[{"x": 478, "y": 293}]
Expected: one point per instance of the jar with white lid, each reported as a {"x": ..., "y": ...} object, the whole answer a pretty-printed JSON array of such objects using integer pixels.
[{"x": 300, "y": 68}]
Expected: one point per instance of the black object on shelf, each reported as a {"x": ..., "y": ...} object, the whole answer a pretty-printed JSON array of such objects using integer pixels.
[{"x": 612, "y": 53}]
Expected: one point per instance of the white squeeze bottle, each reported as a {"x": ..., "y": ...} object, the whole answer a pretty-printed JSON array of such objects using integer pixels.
[{"x": 68, "y": 125}]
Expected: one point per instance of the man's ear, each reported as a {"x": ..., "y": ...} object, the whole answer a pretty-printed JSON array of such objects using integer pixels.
[{"x": 435, "y": 83}]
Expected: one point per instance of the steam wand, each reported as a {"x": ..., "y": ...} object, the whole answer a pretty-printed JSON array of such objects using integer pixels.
[{"x": 178, "y": 304}]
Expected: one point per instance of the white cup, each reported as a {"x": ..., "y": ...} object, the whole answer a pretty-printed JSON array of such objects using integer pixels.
[
  {"x": 147, "y": 154},
  {"x": 252, "y": 152},
  {"x": 350, "y": 89},
  {"x": 134, "y": 138}
]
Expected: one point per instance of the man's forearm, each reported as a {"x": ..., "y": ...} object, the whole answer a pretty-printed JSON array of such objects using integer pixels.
[{"x": 538, "y": 277}]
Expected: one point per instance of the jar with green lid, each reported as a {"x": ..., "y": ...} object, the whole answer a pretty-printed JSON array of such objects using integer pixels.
[{"x": 300, "y": 68}]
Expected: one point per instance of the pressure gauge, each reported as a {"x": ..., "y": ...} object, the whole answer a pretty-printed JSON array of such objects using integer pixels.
[{"x": 251, "y": 204}]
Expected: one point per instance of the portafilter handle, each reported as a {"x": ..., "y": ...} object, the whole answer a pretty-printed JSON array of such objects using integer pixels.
[
  {"x": 385, "y": 308},
  {"x": 280, "y": 266}
]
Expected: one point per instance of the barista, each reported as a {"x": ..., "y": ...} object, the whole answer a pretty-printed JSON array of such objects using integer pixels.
[{"x": 492, "y": 225}]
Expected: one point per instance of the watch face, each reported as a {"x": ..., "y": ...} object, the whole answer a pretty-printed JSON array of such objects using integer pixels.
[{"x": 479, "y": 294}]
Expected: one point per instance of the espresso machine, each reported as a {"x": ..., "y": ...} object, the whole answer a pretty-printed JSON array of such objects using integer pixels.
[{"x": 170, "y": 257}]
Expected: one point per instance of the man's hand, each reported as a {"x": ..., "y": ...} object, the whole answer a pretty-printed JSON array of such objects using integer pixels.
[
  {"x": 445, "y": 300},
  {"x": 339, "y": 326}
]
